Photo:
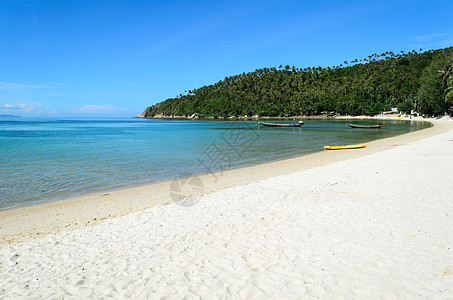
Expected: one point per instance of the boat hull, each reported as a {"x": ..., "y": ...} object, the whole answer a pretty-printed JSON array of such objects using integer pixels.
[
  {"x": 280, "y": 124},
  {"x": 342, "y": 147},
  {"x": 365, "y": 127}
]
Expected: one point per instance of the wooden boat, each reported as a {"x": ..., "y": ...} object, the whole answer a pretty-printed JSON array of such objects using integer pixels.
[
  {"x": 365, "y": 126},
  {"x": 340, "y": 147},
  {"x": 300, "y": 124}
]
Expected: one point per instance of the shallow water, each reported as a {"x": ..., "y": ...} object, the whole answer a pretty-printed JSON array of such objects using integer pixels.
[{"x": 48, "y": 159}]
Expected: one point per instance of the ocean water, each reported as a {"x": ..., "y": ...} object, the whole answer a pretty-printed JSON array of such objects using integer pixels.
[{"x": 49, "y": 159}]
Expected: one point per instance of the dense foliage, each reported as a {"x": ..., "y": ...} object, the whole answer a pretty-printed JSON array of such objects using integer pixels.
[{"x": 407, "y": 80}]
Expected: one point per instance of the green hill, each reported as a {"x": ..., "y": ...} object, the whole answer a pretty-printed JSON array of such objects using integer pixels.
[{"x": 367, "y": 86}]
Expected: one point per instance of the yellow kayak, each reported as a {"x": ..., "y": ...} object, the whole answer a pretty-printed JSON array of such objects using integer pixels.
[{"x": 339, "y": 147}]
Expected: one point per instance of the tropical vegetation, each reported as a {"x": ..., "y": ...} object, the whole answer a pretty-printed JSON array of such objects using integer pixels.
[{"x": 421, "y": 81}]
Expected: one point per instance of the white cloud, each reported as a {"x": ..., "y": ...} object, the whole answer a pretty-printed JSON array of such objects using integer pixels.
[
  {"x": 12, "y": 107},
  {"x": 28, "y": 99},
  {"x": 21, "y": 107}
]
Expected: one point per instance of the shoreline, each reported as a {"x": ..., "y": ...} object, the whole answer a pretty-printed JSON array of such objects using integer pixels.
[
  {"x": 31, "y": 221},
  {"x": 314, "y": 117}
]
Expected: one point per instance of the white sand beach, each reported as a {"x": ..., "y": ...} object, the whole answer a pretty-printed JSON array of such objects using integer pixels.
[{"x": 371, "y": 223}]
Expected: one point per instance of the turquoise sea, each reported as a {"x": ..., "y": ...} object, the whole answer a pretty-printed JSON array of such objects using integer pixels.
[{"x": 49, "y": 159}]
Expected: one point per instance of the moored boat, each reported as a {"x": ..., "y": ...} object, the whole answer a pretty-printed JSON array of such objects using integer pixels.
[
  {"x": 365, "y": 126},
  {"x": 340, "y": 147},
  {"x": 300, "y": 124}
]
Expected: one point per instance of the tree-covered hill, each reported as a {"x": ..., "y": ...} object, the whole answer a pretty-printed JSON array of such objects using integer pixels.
[{"x": 420, "y": 80}]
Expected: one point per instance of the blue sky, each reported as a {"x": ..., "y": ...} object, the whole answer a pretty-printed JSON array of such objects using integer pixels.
[{"x": 115, "y": 58}]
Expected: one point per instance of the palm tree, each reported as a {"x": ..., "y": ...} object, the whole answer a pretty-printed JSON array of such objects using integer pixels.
[
  {"x": 449, "y": 89},
  {"x": 446, "y": 71}
]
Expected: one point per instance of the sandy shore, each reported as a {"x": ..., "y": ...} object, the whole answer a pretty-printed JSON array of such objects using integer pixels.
[{"x": 365, "y": 223}]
